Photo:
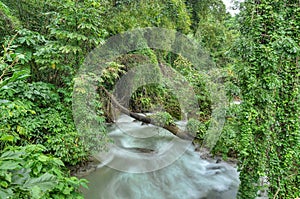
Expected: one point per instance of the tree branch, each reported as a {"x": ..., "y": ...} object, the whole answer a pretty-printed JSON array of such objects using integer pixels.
[{"x": 171, "y": 128}]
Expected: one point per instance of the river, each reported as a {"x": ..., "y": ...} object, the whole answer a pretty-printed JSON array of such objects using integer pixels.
[{"x": 147, "y": 162}]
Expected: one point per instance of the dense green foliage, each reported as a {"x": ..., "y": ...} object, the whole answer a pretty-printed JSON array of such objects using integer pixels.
[
  {"x": 268, "y": 71},
  {"x": 34, "y": 112},
  {"x": 126, "y": 15},
  {"x": 25, "y": 172},
  {"x": 44, "y": 43}
]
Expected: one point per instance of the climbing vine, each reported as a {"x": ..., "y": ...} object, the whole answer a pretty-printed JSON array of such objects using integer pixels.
[
  {"x": 268, "y": 71},
  {"x": 45, "y": 42}
]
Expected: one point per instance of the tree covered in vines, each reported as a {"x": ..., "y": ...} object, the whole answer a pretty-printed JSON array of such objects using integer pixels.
[{"x": 269, "y": 119}]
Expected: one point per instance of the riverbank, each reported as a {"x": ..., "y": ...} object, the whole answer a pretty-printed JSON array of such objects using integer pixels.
[{"x": 85, "y": 168}]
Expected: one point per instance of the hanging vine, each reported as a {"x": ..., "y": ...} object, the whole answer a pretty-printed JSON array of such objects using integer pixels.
[{"x": 268, "y": 70}]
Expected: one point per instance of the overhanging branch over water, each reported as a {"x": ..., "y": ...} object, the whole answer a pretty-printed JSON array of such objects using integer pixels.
[{"x": 173, "y": 128}]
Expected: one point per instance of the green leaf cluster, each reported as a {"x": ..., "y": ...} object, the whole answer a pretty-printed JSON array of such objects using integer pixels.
[
  {"x": 25, "y": 172},
  {"x": 268, "y": 76}
]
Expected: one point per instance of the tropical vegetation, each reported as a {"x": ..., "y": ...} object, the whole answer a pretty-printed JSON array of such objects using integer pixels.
[{"x": 44, "y": 43}]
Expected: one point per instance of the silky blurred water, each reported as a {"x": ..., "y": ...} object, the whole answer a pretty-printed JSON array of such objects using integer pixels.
[{"x": 146, "y": 162}]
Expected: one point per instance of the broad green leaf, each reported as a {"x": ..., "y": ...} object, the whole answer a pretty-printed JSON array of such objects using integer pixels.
[
  {"x": 9, "y": 165},
  {"x": 4, "y": 184},
  {"x": 8, "y": 138},
  {"x": 36, "y": 192},
  {"x": 6, "y": 193},
  {"x": 11, "y": 155},
  {"x": 4, "y": 101},
  {"x": 45, "y": 182},
  {"x": 58, "y": 161},
  {"x": 19, "y": 75},
  {"x": 20, "y": 176},
  {"x": 43, "y": 158}
]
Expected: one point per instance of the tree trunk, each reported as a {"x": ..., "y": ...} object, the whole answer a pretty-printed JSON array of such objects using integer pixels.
[{"x": 171, "y": 128}]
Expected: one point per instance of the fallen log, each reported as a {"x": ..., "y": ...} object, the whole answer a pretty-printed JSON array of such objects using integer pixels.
[{"x": 173, "y": 128}]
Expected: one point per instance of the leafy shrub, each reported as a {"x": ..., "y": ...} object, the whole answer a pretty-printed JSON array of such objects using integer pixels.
[
  {"x": 198, "y": 82},
  {"x": 197, "y": 128},
  {"x": 25, "y": 172},
  {"x": 227, "y": 143},
  {"x": 36, "y": 115},
  {"x": 8, "y": 23},
  {"x": 162, "y": 118}
]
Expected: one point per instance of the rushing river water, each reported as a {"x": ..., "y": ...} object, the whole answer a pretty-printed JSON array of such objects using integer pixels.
[{"x": 146, "y": 162}]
